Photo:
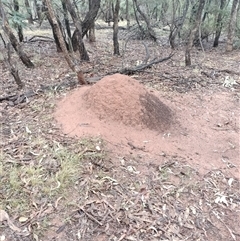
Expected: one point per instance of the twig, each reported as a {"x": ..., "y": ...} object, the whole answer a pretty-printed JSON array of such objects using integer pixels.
[{"x": 91, "y": 217}]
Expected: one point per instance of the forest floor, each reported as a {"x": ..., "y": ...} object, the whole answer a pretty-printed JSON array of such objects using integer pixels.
[{"x": 67, "y": 174}]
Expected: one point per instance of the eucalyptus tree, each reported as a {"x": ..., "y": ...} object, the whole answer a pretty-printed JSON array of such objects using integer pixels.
[
  {"x": 57, "y": 28},
  {"x": 179, "y": 15},
  {"x": 127, "y": 14},
  {"x": 66, "y": 20},
  {"x": 195, "y": 23},
  {"x": 115, "y": 27},
  {"x": 29, "y": 11},
  {"x": 232, "y": 25},
  {"x": 12, "y": 38},
  {"x": 219, "y": 21},
  {"x": 18, "y": 24},
  {"x": 142, "y": 9},
  {"x": 78, "y": 39}
]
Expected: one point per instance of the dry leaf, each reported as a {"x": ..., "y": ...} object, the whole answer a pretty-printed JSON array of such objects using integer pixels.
[
  {"x": 4, "y": 217},
  {"x": 2, "y": 238},
  {"x": 35, "y": 237},
  {"x": 22, "y": 219},
  {"x": 98, "y": 148},
  {"x": 230, "y": 181},
  {"x": 27, "y": 130},
  {"x": 186, "y": 214}
]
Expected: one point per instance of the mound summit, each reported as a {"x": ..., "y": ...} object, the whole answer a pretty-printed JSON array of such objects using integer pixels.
[{"x": 122, "y": 99}]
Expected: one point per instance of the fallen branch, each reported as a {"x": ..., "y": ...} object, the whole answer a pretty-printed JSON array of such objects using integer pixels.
[
  {"x": 99, "y": 27},
  {"x": 40, "y": 38},
  {"x": 142, "y": 67},
  {"x": 228, "y": 71},
  {"x": 21, "y": 98}
]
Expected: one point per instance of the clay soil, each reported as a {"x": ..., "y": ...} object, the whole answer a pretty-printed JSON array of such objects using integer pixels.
[
  {"x": 197, "y": 127},
  {"x": 158, "y": 150}
]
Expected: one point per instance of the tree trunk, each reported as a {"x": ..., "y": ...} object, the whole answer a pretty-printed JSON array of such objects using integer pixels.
[
  {"x": 173, "y": 26},
  {"x": 163, "y": 12},
  {"x": 92, "y": 37},
  {"x": 127, "y": 14},
  {"x": 195, "y": 25},
  {"x": 115, "y": 27},
  {"x": 38, "y": 10},
  {"x": 151, "y": 32},
  {"x": 109, "y": 14},
  {"x": 90, "y": 16},
  {"x": 19, "y": 27},
  {"x": 232, "y": 26},
  {"x": 219, "y": 23},
  {"x": 138, "y": 23},
  {"x": 62, "y": 43},
  {"x": 29, "y": 11},
  {"x": 5, "y": 25},
  {"x": 177, "y": 25},
  {"x": 77, "y": 32},
  {"x": 13, "y": 69},
  {"x": 54, "y": 31},
  {"x": 57, "y": 31},
  {"x": 66, "y": 19}
]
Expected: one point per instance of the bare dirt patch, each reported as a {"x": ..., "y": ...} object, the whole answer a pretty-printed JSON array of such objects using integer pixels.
[{"x": 200, "y": 127}]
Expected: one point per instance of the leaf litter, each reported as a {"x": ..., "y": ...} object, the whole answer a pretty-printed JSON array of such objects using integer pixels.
[{"x": 57, "y": 188}]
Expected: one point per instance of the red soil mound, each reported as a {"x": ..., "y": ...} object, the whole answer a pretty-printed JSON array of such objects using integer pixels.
[
  {"x": 118, "y": 109},
  {"x": 123, "y": 99}
]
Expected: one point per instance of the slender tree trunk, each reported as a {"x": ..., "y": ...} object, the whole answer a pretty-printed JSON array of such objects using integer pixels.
[
  {"x": 13, "y": 69},
  {"x": 219, "y": 23},
  {"x": 58, "y": 32},
  {"x": 164, "y": 10},
  {"x": 38, "y": 10},
  {"x": 178, "y": 25},
  {"x": 92, "y": 37},
  {"x": 173, "y": 26},
  {"x": 127, "y": 14},
  {"x": 54, "y": 31},
  {"x": 115, "y": 27},
  {"x": 77, "y": 9},
  {"x": 19, "y": 27},
  {"x": 29, "y": 11},
  {"x": 138, "y": 23},
  {"x": 7, "y": 29},
  {"x": 196, "y": 23},
  {"x": 62, "y": 43},
  {"x": 109, "y": 15},
  {"x": 90, "y": 16},
  {"x": 78, "y": 31},
  {"x": 232, "y": 26},
  {"x": 150, "y": 30},
  {"x": 66, "y": 19}
]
